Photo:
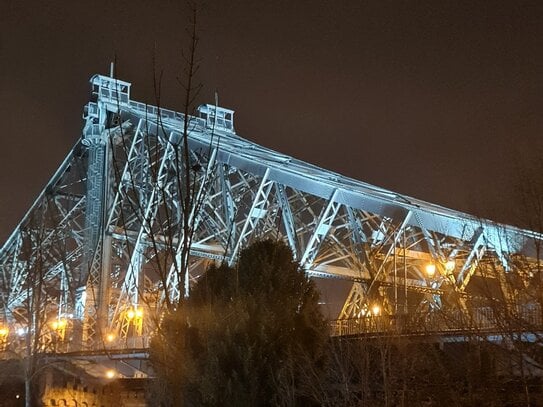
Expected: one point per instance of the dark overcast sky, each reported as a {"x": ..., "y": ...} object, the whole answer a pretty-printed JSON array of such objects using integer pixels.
[{"x": 433, "y": 99}]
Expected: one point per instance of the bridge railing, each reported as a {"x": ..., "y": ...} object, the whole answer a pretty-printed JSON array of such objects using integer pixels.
[
  {"x": 484, "y": 320},
  {"x": 14, "y": 344}
]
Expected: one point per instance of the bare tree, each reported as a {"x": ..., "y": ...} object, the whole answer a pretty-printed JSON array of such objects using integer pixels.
[{"x": 35, "y": 297}]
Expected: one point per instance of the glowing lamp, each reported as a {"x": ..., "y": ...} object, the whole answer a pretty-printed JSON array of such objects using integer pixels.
[
  {"x": 110, "y": 374},
  {"x": 430, "y": 270},
  {"x": 58, "y": 324},
  {"x": 139, "y": 313},
  {"x": 110, "y": 337},
  {"x": 376, "y": 310},
  {"x": 131, "y": 314},
  {"x": 4, "y": 331},
  {"x": 450, "y": 265}
]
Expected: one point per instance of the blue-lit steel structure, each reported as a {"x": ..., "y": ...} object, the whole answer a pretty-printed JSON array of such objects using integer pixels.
[{"x": 105, "y": 236}]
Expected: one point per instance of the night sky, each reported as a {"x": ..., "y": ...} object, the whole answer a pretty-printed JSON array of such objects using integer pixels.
[{"x": 440, "y": 100}]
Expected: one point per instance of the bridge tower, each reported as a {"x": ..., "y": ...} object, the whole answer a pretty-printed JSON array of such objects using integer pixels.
[{"x": 91, "y": 312}]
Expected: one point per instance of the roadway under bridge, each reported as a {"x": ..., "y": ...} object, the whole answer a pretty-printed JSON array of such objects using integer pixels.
[{"x": 149, "y": 197}]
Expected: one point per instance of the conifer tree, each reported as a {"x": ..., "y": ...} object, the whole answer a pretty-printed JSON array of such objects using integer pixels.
[{"x": 245, "y": 334}]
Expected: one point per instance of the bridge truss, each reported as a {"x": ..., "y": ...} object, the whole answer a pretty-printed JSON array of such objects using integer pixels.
[{"x": 134, "y": 215}]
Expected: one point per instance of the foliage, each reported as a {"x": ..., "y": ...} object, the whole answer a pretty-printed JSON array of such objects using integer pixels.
[{"x": 245, "y": 335}]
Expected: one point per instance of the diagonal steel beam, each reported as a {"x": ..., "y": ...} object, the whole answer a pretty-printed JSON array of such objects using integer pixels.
[
  {"x": 354, "y": 304},
  {"x": 397, "y": 233},
  {"x": 257, "y": 212},
  {"x": 177, "y": 267},
  {"x": 468, "y": 269},
  {"x": 288, "y": 220},
  {"x": 321, "y": 229}
]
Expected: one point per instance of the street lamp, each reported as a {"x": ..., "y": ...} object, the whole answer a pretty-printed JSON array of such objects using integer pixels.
[
  {"x": 430, "y": 270},
  {"x": 376, "y": 310},
  {"x": 450, "y": 265},
  {"x": 135, "y": 317},
  {"x": 4, "y": 332},
  {"x": 59, "y": 326},
  {"x": 136, "y": 312}
]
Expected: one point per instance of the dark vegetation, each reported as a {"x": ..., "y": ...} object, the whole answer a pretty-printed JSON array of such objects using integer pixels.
[
  {"x": 253, "y": 335},
  {"x": 244, "y": 333}
]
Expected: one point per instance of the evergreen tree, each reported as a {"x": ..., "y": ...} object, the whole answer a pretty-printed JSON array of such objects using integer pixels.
[{"x": 246, "y": 335}]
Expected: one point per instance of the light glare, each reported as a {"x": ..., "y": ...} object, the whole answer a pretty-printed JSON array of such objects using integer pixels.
[
  {"x": 376, "y": 310},
  {"x": 430, "y": 270}
]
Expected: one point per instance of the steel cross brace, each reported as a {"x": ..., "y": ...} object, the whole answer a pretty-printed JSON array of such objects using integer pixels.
[
  {"x": 468, "y": 269},
  {"x": 320, "y": 231},
  {"x": 257, "y": 211},
  {"x": 431, "y": 244},
  {"x": 357, "y": 236},
  {"x": 229, "y": 206},
  {"x": 354, "y": 305},
  {"x": 129, "y": 294},
  {"x": 288, "y": 220},
  {"x": 172, "y": 281},
  {"x": 392, "y": 247},
  {"x": 116, "y": 208}
]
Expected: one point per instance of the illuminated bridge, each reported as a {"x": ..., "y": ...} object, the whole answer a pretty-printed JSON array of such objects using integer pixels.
[{"x": 137, "y": 211}]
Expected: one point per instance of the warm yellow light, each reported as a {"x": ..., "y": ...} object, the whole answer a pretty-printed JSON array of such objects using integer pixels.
[
  {"x": 130, "y": 314},
  {"x": 4, "y": 331},
  {"x": 376, "y": 310},
  {"x": 139, "y": 313},
  {"x": 450, "y": 265},
  {"x": 110, "y": 374},
  {"x": 110, "y": 337},
  {"x": 58, "y": 324},
  {"x": 430, "y": 270}
]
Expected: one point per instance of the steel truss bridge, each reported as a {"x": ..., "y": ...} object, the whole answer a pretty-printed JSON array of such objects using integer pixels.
[{"x": 101, "y": 250}]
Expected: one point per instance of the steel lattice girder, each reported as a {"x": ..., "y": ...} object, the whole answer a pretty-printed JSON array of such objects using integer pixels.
[{"x": 337, "y": 227}]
